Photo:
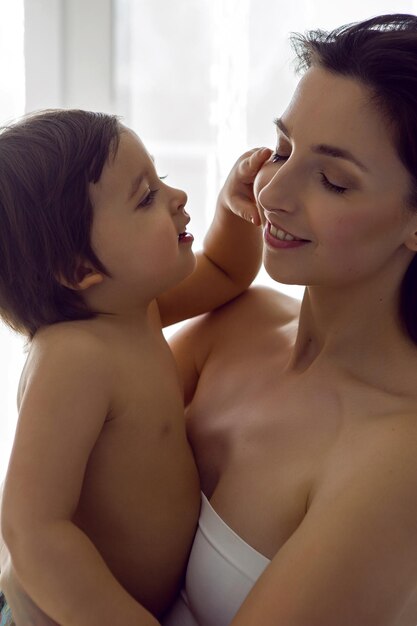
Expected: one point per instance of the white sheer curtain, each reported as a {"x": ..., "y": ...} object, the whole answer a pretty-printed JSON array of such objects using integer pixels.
[{"x": 200, "y": 81}]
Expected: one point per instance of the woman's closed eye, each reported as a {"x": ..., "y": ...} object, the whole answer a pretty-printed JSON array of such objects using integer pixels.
[
  {"x": 276, "y": 157},
  {"x": 331, "y": 186}
]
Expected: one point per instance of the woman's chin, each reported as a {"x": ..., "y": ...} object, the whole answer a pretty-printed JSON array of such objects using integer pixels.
[{"x": 280, "y": 277}]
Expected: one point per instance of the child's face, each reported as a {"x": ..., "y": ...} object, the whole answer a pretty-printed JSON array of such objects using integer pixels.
[{"x": 139, "y": 223}]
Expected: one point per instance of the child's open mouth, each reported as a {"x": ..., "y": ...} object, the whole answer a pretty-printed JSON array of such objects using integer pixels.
[{"x": 185, "y": 237}]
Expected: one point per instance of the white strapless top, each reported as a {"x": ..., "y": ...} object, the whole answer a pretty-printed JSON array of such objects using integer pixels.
[{"x": 222, "y": 569}]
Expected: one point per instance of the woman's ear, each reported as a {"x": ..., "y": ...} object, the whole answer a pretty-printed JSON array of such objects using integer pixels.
[
  {"x": 85, "y": 276},
  {"x": 411, "y": 241},
  {"x": 411, "y": 236}
]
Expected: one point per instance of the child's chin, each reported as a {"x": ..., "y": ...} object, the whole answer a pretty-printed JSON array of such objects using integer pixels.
[{"x": 192, "y": 265}]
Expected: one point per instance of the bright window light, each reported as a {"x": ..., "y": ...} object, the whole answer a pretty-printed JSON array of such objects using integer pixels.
[{"x": 12, "y": 62}]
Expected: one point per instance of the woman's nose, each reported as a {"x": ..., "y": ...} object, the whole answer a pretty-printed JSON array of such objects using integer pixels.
[{"x": 276, "y": 192}]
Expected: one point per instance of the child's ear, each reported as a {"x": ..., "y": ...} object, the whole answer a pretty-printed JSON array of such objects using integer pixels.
[{"x": 85, "y": 276}]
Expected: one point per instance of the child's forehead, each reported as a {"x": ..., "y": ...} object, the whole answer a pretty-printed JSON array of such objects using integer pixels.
[
  {"x": 130, "y": 139},
  {"x": 129, "y": 163}
]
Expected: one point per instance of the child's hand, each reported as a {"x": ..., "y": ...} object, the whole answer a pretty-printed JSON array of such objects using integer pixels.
[{"x": 237, "y": 192}]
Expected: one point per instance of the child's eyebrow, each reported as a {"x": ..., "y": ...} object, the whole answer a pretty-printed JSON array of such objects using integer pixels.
[{"x": 135, "y": 186}]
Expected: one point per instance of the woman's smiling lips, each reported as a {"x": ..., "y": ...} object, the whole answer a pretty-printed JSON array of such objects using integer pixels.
[{"x": 277, "y": 237}]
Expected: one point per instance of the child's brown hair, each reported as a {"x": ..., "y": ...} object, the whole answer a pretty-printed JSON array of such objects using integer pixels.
[{"x": 47, "y": 161}]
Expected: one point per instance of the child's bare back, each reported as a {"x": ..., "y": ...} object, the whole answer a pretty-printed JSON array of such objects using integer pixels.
[{"x": 140, "y": 496}]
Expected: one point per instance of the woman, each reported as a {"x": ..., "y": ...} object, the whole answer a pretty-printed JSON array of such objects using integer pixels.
[{"x": 303, "y": 419}]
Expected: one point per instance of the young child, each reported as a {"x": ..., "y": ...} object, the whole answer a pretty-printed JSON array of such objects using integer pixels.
[{"x": 102, "y": 496}]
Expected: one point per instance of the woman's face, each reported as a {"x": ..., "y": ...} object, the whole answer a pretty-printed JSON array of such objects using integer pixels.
[{"x": 336, "y": 184}]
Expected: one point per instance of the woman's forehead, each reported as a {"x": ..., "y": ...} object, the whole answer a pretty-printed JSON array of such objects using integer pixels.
[
  {"x": 333, "y": 109},
  {"x": 334, "y": 101},
  {"x": 334, "y": 113}
]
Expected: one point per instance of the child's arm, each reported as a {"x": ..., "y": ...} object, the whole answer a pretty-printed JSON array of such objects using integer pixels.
[
  {"x": 24, "y": 610},
  {"x": 63, "y": 410},
  {"x": 232, "y": 248}
]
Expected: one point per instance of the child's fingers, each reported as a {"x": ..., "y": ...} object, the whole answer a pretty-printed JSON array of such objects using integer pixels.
[
  {"x": 252, "y": 162},
  {"x": 247, "y": 211}
]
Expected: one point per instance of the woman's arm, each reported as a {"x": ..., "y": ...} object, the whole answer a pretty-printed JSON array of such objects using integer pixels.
[
  {"x": 352, "y": 561},
  {"x": 232, "y": 248}
]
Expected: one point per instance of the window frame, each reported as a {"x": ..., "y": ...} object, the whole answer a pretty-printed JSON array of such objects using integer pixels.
[{"x": 73, "y": 66}]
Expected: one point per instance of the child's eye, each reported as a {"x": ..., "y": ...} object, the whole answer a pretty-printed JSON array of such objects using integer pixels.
[
  {"x": 330, "y": 186},
  {"x": 275, "y": 157},
  {"x": 148, "y": 199}
]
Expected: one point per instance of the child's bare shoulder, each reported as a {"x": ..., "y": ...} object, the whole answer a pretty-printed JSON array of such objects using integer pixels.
[
  {"x": 78, "y": 337},
  {"x": 62, "y": 350}
]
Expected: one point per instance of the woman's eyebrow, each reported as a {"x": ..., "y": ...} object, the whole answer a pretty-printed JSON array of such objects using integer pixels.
[
  {"x": 339, "y": 153},
  {"x": 325, "y": 149}
]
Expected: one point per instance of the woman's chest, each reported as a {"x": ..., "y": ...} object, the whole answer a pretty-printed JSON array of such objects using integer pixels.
[
  {"x": 259, "y": 442},
  {"x": 246, "y": 414},
  {"x": 265, "y": 441}
]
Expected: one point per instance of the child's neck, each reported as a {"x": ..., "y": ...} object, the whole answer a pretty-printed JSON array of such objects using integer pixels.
[
  {"x": 120, "y": 308},
  {"x": 133, "y": 320}
]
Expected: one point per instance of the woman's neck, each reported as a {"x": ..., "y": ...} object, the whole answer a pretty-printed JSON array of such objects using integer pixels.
[{"x": 355, "y": 328}]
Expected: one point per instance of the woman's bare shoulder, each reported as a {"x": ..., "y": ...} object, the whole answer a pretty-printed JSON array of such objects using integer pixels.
[
  {"x": 257, "y": 308},
  {"x": 259, "y": 304}
]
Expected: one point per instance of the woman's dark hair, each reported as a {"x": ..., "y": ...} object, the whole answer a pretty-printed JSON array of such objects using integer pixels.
[
  {"x": 47, "y": 161},
  {"x": 381, "y": 53}
]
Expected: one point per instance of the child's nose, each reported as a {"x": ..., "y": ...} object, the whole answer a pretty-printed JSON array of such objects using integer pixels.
[{"x": 179, "y": 200}]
